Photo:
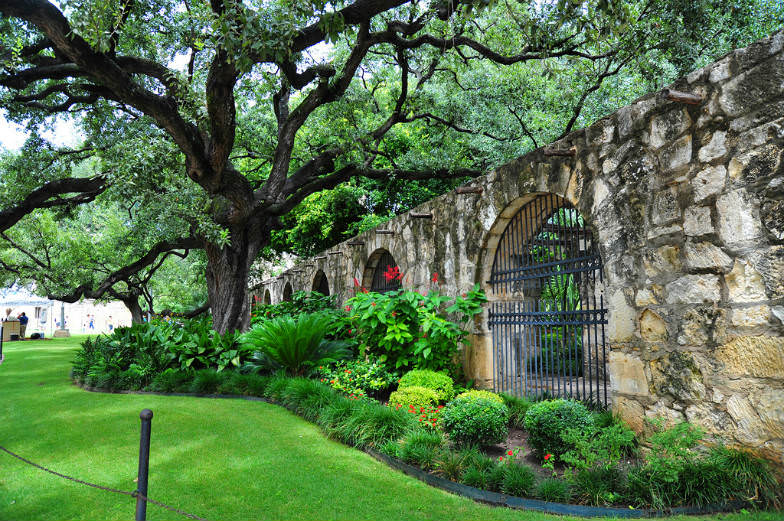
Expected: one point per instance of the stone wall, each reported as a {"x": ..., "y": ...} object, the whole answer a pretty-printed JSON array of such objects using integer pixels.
[{"x": 686, "y": 202}]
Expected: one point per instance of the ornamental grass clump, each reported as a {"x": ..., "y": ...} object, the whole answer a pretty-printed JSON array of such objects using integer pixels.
[
  {"x": 371, "y": 424},
  {"x": 441, "y": 383},
  {"x": 171, "y": 381},
  {"x": 421, "y": 447},
  {"x": 475, "y": 421},
  {"x": 548, "y": 421},
  {"x": 519, "y": 480},
  {"x": 206, "y": 381},
  {"x": 554, "y": 489},
  {"x": 518, "y": 407}
]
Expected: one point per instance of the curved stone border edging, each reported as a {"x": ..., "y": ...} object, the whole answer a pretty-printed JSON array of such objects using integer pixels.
[{"x": 476, "y": 494}]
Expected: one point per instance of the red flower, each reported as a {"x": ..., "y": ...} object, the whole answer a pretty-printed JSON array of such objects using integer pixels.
[
  {"x": 547, "y": 456},
  {"x": 373, "y": 304},
  {"x": 392, "y": 273},
  {"x": 394, "y": 313},
  {"x": 348, "y": 308},
  {"x": 435, "y": 277},
  {"x": 364, "y": 290},
  {"x": 356, "y": 282},
  {"x": 500, "y": 458},
  {"x": 464, "y": 295},
  {"x": 350, "y": 331},
  {"x": 510, "y": 453}
]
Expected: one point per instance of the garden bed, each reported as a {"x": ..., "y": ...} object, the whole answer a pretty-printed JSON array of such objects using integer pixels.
[{"x": 485, "y": 496}]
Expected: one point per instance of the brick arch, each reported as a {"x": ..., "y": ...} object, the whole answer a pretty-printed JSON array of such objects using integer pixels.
[{"x": 267, "y": 297}]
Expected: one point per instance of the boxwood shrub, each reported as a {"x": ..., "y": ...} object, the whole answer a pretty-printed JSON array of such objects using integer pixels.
[
  {"x": 439, "y": 382},
  {"x": 546, "y": 422},
  {"x": 416, "y": 396},
  {"x": 476, "y": 393},
  {"x": 475, "y": 421}
]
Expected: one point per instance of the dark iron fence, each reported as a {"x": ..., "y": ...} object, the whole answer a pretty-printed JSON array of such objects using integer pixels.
[{"x": 548, "y": 320}]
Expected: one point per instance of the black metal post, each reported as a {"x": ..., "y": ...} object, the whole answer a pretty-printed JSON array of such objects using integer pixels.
[{"x": 144, "y": 464}]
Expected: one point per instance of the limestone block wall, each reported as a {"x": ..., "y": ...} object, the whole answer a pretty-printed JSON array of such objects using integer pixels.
[{"x": 686, "y": 202}]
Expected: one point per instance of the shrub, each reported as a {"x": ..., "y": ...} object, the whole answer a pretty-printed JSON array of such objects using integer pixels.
[
  {"x": 475, "y": 421},
  {"x": 475, "y": 393},
  {"x": 518, "y": 407},
  {"x": 421, "y": 454},
  {"x": 171, "y": 380},
  {"x": 547, "y": 422},
  {"x": 413, "y": 396},
  {"x": 594, "y": 446},
  {"x": 311, "y": 405},
  {"x": 554, "y": 489},
  {"x": 297, "y": 345},
  {"x": 357, "y": 377},
  {"x": 334, "y": 414},
  {"x": 296, "y": 392},
  {"x": 390, "y": 448},
  {"x": 407, "y": 330},
  {"x": 518, "y": 480},
  {"x": 206, "y": 381},
  {"x": 439, "y": 382}
]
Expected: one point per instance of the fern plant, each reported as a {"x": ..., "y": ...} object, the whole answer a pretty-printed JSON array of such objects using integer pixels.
[{"x": 295, "y": 344}]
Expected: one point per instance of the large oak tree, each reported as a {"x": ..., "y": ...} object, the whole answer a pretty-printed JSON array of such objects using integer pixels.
[{"x": 281, "y": 99}]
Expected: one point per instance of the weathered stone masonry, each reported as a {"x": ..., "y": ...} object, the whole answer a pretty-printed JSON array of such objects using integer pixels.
[{"x": 687, "y": 204}]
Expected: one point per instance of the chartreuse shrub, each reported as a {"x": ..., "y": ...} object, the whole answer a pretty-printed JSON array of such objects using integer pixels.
[
  {"x": 547, "y": 422},
  {"x": 474, "y": 394},
  {"x": 297, "y": 345},
  {"x": 416, "y": 397},
  {"x": 475, "y": 421},
  {"x": 442, "y": 384}
]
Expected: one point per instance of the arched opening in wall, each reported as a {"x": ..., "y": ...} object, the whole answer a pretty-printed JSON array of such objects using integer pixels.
[
  {"x": 267, "y": 297},
  {"x": 548, "y": 317},
  {"x": 320, "y": 283},
  {"x": 382, "y": 273},
  {"x": 287, "y": 291}
]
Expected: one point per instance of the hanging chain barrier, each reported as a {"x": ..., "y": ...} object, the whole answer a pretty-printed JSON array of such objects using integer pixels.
[{"x": 140, "y": 496}]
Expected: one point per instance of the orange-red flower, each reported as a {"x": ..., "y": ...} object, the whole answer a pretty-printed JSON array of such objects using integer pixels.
[{"x": 547, "y": 456}]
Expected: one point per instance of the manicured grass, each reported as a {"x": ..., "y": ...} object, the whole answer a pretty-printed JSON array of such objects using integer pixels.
[{"x": 220, "y": 459}]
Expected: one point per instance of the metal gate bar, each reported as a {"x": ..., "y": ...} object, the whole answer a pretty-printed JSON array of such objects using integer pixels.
[{"x": 548, "y": 326}]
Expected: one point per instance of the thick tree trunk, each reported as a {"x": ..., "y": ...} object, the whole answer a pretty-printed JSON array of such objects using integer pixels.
[
  {"x": 227, "y": 280},
  {"x": 132, "y": 303}
]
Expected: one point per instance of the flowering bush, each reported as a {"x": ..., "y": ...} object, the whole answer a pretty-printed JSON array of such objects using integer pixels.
[
  {"x": 427, "y": 416},
  {"x": 439, "y": 382},
  {"x": 475, "y": 421},
  {"x": 357, "y": 377},
  {"x": 406, "y": 329}
]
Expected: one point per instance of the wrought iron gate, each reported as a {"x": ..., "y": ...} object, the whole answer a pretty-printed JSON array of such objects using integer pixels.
[
  {"x": 548, "y": 322},
  {"x": 381, "y": 283}
]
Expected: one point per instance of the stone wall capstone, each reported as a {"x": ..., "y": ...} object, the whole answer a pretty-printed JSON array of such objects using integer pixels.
[{"x": 686, "y": 203}]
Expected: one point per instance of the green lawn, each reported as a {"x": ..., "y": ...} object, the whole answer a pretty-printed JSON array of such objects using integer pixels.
[{"x": 220, "y": 459}]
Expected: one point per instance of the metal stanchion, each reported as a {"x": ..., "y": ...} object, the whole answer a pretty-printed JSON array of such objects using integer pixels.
[{"x": 144, "y": 464}]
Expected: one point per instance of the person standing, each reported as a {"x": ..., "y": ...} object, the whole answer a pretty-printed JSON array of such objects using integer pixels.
[{"x": 22, "y": 324}]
